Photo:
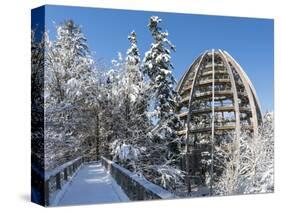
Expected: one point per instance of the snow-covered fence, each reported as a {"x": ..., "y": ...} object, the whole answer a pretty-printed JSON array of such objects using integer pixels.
[
  {"x": 56, "y": 178},
  {"x": 136, "y": 187}
]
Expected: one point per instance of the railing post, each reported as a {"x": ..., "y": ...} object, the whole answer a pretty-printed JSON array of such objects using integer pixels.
[
  {"x": 135, "y": 187},
  {"x": 139, "y": 193},
  {"x": 58, "y": 181},
  {"x": 70, "y": 170},
  {"x": 65, "y": 174}
]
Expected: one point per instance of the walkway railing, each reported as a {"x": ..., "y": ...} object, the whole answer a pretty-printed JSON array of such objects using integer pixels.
[
  {"x": 135, "y": 187},
  {"x": 56, "y": 178}
]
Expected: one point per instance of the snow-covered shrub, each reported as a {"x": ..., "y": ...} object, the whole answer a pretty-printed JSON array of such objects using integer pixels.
[
  {"x": 123, "y": 152},
  {"x": 252, "y": 172},
  {"x": 169, "y": 176}
]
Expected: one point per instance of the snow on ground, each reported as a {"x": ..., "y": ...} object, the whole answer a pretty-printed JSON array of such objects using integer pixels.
[{"x": 92, "y": 185}]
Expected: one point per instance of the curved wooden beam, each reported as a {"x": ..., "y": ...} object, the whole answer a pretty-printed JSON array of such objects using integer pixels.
[
  {"x": 191, "y": 96},
  {"x": 251, "y": 93},
  {"x": 179, "y": 84},
  {"x": 247, "y": 78},
  {"x": 235, "y": 99}
]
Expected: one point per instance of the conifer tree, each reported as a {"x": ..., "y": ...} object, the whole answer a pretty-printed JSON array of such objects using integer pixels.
[
  {"x": 133, "y": 109},
  {"x": 163, "y": 150},
  {"x": 69, "y": 92}
]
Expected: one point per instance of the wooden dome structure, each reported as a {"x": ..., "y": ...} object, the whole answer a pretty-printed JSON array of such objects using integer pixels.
[{"x": 218, "y": 98}]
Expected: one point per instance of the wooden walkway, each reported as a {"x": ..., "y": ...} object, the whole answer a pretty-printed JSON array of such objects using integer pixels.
[{"x": 92, "y": 185}]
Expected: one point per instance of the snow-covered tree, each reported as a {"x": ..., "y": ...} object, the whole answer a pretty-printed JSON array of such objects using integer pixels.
[
  {"x": 131, "y": 110},
  {"x": 133, "y": 71},
  {"x": 69, "y": 62},
  {"x": 37, "y": 99},
  {"x": 158, "y": 67},
  {"x": 163, "y": 145},
  {"x": 134, "y": 88},
  {"x": 68, "y": 93},
  {"x": 253, "y": 173},
  {"x": 109, "y": 101}
]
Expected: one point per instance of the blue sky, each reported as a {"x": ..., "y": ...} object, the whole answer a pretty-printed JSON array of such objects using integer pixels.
[{"x": 250, "y": 41}]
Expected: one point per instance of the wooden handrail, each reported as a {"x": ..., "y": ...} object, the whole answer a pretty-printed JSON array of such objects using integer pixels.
[
  {"x": 67, "y": 169},
  {"x": 136, "y": 187}
]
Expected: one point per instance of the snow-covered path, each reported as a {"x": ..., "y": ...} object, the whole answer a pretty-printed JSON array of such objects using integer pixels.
[{"x": 92, "y": 184}]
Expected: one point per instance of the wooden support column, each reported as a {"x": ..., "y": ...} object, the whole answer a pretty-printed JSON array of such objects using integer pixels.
[
  {"x": 236, "y": 104},
  {"x": 188, "y": 118}
]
